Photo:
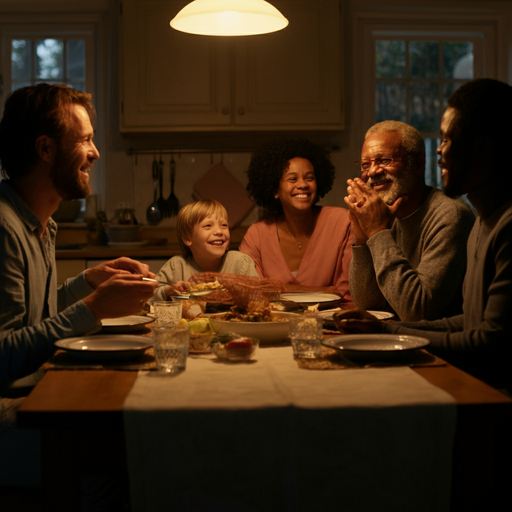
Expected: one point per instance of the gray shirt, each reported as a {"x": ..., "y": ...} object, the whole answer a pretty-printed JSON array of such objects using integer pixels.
[
  {"x": 416, "y": 268},
  {"x": 33, "y": 311},
  {"x": 480, "y": 340}
]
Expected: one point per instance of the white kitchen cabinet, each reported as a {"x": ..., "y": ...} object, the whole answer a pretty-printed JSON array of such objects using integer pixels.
[{"x": 288, "y": 80}]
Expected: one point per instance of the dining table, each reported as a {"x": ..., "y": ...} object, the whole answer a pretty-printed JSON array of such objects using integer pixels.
[{"x": 274, "y": 434}]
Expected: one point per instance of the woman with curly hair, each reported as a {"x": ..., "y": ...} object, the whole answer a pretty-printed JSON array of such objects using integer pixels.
[{"x": 305, "y": 246}]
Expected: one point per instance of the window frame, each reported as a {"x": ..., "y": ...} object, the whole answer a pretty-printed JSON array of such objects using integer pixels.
[
  {"x": 493, "y": 52},
  {"x": 33, "y": 36}
]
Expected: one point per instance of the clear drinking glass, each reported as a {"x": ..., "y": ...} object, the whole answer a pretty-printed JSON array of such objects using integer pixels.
[
  {"x": 167, "y": 312},
  {"x": 171, "y": 348},
  {"x": 306, "y": 336}
]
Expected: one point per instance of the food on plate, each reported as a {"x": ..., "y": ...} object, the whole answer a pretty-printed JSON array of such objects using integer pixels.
[
  {"x": 192, "y": 308},
  {"x": 255, "y": 312},
  {"x": 229, "y": 346},
  {"x": 212, "y": 285}
]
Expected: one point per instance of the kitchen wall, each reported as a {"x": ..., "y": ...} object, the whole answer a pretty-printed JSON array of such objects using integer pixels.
[{"x": 126, "y": 178}]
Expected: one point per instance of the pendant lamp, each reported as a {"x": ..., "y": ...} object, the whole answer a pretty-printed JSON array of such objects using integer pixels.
[{"x": 229, "y": 18}]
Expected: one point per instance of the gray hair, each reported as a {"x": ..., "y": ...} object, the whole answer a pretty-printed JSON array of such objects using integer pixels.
[{"x": 411, "y": 140}]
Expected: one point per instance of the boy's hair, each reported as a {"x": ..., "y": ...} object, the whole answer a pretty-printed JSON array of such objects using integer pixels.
[{"x": 193, "y": 213}]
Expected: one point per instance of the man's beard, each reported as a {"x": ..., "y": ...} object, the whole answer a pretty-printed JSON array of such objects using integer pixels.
[
  {"x": 400, "y": 185},
  {"x": 66, "y": 177}
]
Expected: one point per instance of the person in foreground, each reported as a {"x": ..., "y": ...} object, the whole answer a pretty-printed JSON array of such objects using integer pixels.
[
  {"x": 299, "y": 243},
  {"x": 203, "y": 234},
  {"x": 46, "y": 151},
  {"x": 475, "y": 132},
  {"x": 410, "y": 239}
]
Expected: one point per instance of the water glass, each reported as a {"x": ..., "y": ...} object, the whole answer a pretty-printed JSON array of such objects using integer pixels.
[
  {"x": 306, "y": 335},
  {"x": 171, "y": 348},
  {"x": 167, "y": 312}
]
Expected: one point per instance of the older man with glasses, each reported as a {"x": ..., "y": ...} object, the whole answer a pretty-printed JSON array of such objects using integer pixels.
[{"x": 409, "y": 253}]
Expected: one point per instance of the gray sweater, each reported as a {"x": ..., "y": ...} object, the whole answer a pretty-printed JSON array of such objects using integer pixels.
[
  {"x": 480, "y": 340},
  {"x": 416, "y": 268}
]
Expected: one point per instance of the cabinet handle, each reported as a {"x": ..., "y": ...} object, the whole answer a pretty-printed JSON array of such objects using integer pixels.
[
  {"x": 241, "y": 111},
  {"x": 225, "y": 111}
]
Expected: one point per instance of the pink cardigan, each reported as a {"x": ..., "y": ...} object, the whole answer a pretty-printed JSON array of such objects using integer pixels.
[{"x": 325, "y": 262}]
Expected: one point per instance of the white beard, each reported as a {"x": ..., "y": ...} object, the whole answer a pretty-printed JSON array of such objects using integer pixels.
[{"x": 400, "y": 186}]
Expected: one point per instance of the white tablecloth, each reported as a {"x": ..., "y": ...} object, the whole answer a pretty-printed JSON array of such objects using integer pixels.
[{"x": 270, "y": 436}]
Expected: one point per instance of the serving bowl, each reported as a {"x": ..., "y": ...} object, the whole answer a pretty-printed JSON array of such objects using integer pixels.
[
  {"x": 266, "y": 332},
  {"x": 229, "y": 346}
]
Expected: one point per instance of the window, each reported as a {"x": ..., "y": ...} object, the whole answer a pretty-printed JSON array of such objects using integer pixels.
[
  {"x": 408, "y": 64},
  {"x": 48, "y": 60},
  {"x": 415, "y": 74}
]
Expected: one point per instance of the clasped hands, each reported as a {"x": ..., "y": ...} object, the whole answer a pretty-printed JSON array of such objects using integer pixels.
[{"x": 368, "y": 213}]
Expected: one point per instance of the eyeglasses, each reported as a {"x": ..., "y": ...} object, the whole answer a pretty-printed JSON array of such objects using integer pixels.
[{"x": 384, "y": 162}]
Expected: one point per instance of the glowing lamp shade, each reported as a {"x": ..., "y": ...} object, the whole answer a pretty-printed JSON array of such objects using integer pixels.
[{"x": 229, "y": 18}]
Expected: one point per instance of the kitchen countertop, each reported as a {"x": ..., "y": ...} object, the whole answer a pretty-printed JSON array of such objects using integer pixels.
[{"x": 107, "y": 252}]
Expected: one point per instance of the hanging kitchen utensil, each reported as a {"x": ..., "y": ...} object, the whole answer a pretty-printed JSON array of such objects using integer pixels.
[
  {"x": 161, "y": 201},
  {"x": 173, "y": 205},
  {"x": 153, "y": 213}
]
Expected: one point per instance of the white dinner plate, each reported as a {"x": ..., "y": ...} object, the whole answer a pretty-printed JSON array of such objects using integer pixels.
[
  {"x": 328, "y": 313},
  {"x": 375, "y": 345},
  {"x": 310, "y": 298},
  {"x": 266, "y": 332},
  {"x": 105, "y": 346},
  {"x": 132, "y": 323}
]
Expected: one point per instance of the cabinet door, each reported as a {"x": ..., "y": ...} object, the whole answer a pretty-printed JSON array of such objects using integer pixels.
[
  {"x": 291, "y": 79},
  {"x": 170, "y": 79}
]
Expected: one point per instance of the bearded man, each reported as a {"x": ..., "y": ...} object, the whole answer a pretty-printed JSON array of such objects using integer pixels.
[{"x": 409, "y": 253}]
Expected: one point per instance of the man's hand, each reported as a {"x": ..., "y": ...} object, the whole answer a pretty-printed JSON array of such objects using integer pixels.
[
  {"x": 357, "y": 321},
  {"x": 360, "y": 237},
  {"x": 369, "y": 210},
  {"x": 104, "y": 271},
  {"x": 120, "y": 295}
]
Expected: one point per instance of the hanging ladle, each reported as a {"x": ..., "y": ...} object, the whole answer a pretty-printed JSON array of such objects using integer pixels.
[
  {"x": 153, "y": 213},
  {"x": 173, "y": 205}
]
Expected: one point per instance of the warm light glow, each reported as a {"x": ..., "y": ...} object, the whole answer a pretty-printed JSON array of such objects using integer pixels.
[{"x": 229, "y": 18}]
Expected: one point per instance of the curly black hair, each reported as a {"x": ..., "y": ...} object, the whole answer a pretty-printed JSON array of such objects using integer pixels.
[{"x": 270, "y": 161}]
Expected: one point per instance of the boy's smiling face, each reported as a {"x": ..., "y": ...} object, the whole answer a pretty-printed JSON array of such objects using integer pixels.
[{"x": 209, "y": 240}]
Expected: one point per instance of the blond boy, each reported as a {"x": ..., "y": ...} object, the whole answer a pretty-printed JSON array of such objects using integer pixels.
[{"x": 203, "y": 235}]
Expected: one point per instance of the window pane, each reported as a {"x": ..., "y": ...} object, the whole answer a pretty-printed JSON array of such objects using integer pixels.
[
  {"x": 424, "y": 57},
  {"x": 458, "y": 60},
  {"x": 79, "y": 86},
  {"x": 76, "y": 59},
  {"x": 19, "y": 85},
  {"x": 21, "y": 62},
  {"x": 424, "y": 106},
  {"x": 432, "y": 170},
  {"x": 390, "y": 101},
  {"x": 448, "y": 90},
  {"x": 49, "y": 60},
  {"x": 390, "y": 59}
]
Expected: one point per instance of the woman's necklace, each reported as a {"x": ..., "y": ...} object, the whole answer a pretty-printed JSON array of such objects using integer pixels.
[{"x": 299, "y": 242}]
